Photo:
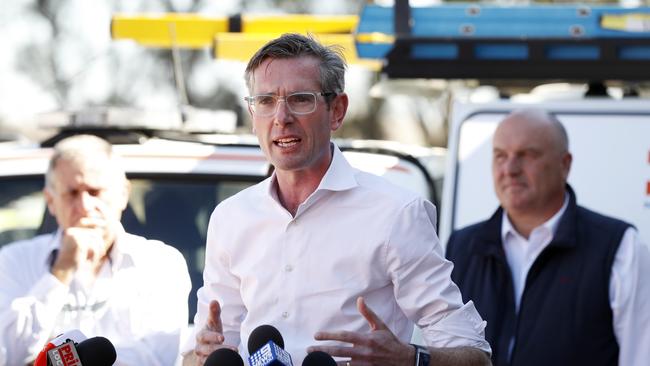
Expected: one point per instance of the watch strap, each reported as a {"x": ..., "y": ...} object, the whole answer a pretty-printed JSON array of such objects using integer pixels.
[{"x": 422, "y": 356}]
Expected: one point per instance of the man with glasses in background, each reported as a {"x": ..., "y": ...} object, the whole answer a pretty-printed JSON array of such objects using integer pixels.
[{"x": 323, "y": 251}]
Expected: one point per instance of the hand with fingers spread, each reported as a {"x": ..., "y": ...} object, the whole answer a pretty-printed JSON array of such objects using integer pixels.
[
  {"x": 210, "y": 338},
  {"x": 379, "y": 347}
]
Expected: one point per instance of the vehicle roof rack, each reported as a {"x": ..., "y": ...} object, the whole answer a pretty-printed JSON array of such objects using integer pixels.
[
  {"x": 114, "y": 135},
  {"x": 472, "y": 41}
]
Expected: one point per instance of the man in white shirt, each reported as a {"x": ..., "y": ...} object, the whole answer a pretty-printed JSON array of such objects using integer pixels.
[
  {"x": 338, "y": 260},
  {"x": 557, "y": 283},
  {"x": 91, "y": 275}
]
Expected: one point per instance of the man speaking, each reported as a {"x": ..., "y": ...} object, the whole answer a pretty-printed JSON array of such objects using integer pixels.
[{"x": 338, "y": 260}]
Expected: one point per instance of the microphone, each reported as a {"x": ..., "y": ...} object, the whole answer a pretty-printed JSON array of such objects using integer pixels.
[
  {"x": 96, "y": 351},
  {"x": 262, "y": 334},
  {"x": 224, "y": 357},
  {"x": 318, "y": 358},
  {"x": 72, "y": 335},
  {"x": 266, "y": 347}
]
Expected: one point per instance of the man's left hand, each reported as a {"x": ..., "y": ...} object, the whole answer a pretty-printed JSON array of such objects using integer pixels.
[{"x": 379, "y": 347}]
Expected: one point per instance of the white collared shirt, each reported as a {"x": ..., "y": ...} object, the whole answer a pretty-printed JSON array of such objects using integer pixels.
[
  {"x": 629, "y": 293},
  {"x": 138, "y": 301},
  {"x": 356, "y": 235},
  {"x": 521, "y": 252}
]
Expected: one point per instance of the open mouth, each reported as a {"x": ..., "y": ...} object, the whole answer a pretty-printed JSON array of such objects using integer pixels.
[{"x": 286, "y": 142}]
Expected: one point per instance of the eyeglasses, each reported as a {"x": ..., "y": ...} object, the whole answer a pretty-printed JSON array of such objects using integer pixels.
[{"x": 266, "y": 105}]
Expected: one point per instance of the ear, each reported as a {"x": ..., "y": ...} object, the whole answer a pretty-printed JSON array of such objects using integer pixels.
[
  {"x": 339, "y": 107},
  {"x": 49, "y": 200},
  {"x": 566, "y": 165},
  {"x": 124, "y": 195}
]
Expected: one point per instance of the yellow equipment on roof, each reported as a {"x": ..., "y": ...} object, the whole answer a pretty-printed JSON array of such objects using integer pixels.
[{"x": 235, "y": 37}]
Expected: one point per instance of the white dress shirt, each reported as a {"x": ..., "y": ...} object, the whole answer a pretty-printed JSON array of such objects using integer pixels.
[
  {"x": 356, "y": 235},
  {"x": 629, "y": 293},
  {"x": 138, "y": 302}
]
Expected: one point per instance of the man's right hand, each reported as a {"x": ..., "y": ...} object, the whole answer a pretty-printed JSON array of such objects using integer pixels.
[
  {"x": 210, "y": 338},
  {"x": 83, "y": 248}
]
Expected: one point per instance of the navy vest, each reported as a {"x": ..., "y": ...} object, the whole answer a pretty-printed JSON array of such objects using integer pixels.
[{"x": 564, "y": 317}]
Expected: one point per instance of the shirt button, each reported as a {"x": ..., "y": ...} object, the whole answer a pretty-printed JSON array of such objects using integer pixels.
[
  {"x": 288, "y": 268},
  {"x": 285, "y": 314}
]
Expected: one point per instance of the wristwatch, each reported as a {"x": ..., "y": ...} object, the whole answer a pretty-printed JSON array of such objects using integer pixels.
[{"x": 422, "y": 356}]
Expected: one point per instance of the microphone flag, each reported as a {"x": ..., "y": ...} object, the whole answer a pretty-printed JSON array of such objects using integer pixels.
[
  {"x": 270, "y": 355},
  {"x": 64, "y": 355}
]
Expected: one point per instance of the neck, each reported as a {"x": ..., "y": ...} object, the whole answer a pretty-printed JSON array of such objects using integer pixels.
[
  {"x": 295, "y": 186},
  {"x": 526, "y": 221},
  {"x": 294, "y": 189}
]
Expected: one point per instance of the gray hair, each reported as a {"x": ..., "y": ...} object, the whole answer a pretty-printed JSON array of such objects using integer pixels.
[
  {"x": 293, "y": 45},
  {"x": 80, "y": 148}
]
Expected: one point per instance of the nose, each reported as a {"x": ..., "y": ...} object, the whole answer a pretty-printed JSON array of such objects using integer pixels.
[
  {"x": 283, "y": 115},
  {"x": 512, "y": 166},
  {"x": 86, "y": 202}
]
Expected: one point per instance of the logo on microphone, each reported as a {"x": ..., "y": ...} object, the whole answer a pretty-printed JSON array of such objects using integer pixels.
[
  {"x": 270, "y": 354},
  {"x": 64, "y": 355}
]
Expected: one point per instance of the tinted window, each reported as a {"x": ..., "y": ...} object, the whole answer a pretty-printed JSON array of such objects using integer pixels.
[{"x": 21, "y": 208}]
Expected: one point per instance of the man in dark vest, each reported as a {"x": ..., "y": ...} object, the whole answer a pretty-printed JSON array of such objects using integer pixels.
[{"x": 558, "y": 284}]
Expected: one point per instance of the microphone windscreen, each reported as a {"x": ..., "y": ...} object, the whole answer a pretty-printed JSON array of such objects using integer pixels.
[
  {"x": 224, "y": 357},
  {"x": 96, "y": 351},
  {"x": 318, "y": 358},
  {"x": 262, "y": 335}
]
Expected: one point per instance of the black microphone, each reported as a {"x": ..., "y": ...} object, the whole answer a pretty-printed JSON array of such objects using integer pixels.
[
  {"x": 262, "y": 334},
  {"x": 266, "y": 347},
  {"x": 224, "y": 357},
  {"x": 318, "y": 358},
  {"x": 96, "y": 351}
]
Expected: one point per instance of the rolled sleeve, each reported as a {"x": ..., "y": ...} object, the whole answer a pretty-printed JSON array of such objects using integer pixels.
[{"x": 423, "y": 286}]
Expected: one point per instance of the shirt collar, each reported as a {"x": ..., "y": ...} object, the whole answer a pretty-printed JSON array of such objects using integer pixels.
[
  {"x": 550, "y": 224},
  {"x": 338, "y": 177}
]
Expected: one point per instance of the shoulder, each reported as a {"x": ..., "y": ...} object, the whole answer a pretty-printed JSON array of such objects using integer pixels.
[
  {"x": 470, "y": 232},
  {"x": 600, "y": 220},
  {"x": 606, "y": 229},
  {"x": 154, "y": 252},
  {"x": 461, "y": 241},
  {"x": 383, "y": 190},
  {"x": 27, "y": 247},
  {"x": 243, "y": 199}
]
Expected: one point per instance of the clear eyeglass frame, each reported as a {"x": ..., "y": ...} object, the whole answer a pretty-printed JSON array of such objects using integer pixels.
[{"x": 299, "y": 103}]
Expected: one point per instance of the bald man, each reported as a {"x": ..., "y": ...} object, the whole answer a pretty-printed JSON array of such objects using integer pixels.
[{"x": 558, "y": 284}]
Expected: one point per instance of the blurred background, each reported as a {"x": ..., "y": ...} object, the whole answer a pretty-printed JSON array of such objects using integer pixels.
[{"x": 58, "y": 55}]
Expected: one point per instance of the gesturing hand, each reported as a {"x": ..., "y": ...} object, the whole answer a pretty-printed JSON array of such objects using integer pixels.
[
  {"x": 210, "y": 338},
  {"x": 379, "y": 347}
]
